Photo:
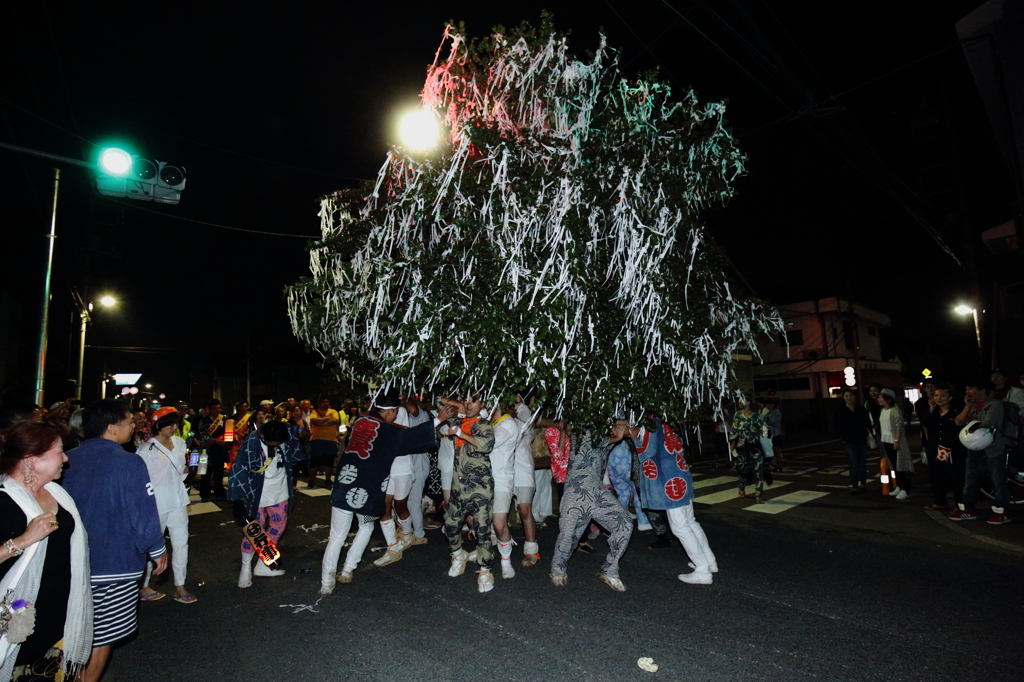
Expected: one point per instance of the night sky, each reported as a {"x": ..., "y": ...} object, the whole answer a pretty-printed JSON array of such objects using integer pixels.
[{"x": 844, "y": 114}]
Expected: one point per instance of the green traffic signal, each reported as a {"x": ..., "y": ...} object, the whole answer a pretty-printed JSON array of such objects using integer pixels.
[{"x": 116, "y": 162}]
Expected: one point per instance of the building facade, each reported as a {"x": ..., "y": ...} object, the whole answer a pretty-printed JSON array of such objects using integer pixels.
[{"x": 827, "y": 344}]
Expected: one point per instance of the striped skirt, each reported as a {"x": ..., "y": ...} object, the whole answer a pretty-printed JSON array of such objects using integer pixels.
[{"x": 114, "y": 611}]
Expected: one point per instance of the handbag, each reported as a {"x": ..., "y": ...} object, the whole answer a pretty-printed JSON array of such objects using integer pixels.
[{"x": 872, "y": 443}]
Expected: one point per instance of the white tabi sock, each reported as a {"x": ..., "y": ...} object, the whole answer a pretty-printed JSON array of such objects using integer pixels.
[
  {"x": 389, "y": 531},
  {"x": 406, "y": 525},
  {"x": 505, "y": 550}
]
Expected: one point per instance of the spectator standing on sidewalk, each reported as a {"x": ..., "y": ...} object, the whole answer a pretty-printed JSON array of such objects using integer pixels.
[
  {"x": 209, "y": 434},
  {"x": 853, "y": 424},
  {"x": 923, "y": 408},
  {"x": 948, "y": 456},
  {"x": 323, "y": 442},
  {"x": 116, "y": 502},
  {"x": 773, "y": 420},
  {"x": 875, "y": 412},
  {"x": 990, "y": 461},
  {"x": 894, "y": 440},
  {"x": 1013, "y": 396}
]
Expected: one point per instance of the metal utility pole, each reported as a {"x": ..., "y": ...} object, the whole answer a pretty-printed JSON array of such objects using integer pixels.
[{"x": 41, "y": 359}]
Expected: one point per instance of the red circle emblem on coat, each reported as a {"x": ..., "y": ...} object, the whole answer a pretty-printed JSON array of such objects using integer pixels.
[
  {"x": 681, "y": 462},
  {"x": 650, "y": 469},
  {"x": 675, "y": 489}
]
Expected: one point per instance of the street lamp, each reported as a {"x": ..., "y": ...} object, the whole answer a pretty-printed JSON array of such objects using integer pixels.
[
  {"x": 968, "y": 310},
  {"x": 85, "y": 312},
  {"x": 419, "y": 130}
]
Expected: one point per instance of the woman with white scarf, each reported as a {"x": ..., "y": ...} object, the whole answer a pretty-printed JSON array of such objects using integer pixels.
[{"x": 44, "y": 560}]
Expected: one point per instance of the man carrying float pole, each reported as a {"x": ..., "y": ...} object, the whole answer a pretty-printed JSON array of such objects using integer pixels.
[{"x": 361, "y": 480}]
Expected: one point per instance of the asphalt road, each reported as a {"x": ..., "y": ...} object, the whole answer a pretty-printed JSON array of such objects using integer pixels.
[{"x": 839, "y": 587}]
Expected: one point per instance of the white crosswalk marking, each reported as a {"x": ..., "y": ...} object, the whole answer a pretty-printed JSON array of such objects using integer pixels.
[
  {"x": 202, "y": 508},
  {"x": 714, "y": 481},
  {"x": 730, "y": 494},
  {"x": 314, "y": 492},
  {"x": 783, "y": 503}
]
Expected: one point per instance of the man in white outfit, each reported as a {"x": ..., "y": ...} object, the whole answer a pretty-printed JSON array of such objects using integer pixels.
[
  {"x": 503, "y": 455},
  {"x": 524, "y": 483},
  {"x": 408, "y": 476}
]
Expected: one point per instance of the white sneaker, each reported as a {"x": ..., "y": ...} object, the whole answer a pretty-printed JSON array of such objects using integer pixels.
[
  {"x": 713, "y": 568},
  {"x": 895, "y": 491},
  {"x": 696, "y": 578},
  {"x": 611, "y": 582},
  {"x": 506, "y": 569},
  {"x": 559, "y": 580},
  {"x": 393, "y": 554},
  {"x": 903, "y": 495},
  {"x": 264, "y": 571},
  {"x": 472, "y": 556},
  {"x": 484, "y": 580},
  {"x": 459, "y": 560}
]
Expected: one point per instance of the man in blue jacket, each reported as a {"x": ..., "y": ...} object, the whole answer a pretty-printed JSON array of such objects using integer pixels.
[
  {"x": 112, "y": 491},
  {"x": 667, "y": 484}
]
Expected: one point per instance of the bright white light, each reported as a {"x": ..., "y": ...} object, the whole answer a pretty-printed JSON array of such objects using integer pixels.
[
  {"x": 149, "y": 385},
  {"x": 418, "y": 130},
  {"x": 964, "y": 309},
  {"x": 108, "y": 300},
  {"x": 114, "y": 161}
]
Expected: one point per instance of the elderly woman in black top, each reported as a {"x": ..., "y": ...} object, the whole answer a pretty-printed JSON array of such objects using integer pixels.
[{"x": 44, "y": 558}]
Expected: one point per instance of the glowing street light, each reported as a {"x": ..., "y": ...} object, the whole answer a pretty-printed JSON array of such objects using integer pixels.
[
  {"x": 419, "y": 130},
  {"x": 108, "y": 301},
  {"x": 968, "y": 310}
]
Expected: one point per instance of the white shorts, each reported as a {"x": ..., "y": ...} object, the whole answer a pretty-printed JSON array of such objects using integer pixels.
[
  {"x": 446, "y": 462},
  {"x": 524, "y": 494},
  {"x": 502, "y": 502},
  {"x": 399, "y": 486}
]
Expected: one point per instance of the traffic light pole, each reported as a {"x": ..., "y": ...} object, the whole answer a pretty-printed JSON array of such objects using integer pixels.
[{"x": 41, "y": 360}]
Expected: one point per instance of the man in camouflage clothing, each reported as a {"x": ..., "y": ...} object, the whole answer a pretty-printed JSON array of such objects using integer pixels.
[{"x": 472, "y": 492}]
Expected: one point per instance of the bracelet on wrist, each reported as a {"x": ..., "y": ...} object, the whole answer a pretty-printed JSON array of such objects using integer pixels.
[{"x": 13, "y": 548}]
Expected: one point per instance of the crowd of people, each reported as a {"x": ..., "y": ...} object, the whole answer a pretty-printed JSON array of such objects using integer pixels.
[
  {"x": 82, "y": 531},
  {"x": 968, "y": 436}
]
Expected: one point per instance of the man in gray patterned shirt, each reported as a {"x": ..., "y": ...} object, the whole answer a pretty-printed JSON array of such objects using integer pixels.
[{"x": 585, "y": 498}]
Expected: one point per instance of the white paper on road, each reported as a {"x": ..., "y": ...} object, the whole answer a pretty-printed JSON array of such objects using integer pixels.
[
  {"x": 202, "y": 508},
  {"x": 730, "y": 494},
  {"x": 777, "y": 505}
]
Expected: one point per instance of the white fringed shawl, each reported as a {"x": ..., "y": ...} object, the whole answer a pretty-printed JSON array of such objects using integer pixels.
[{"x": 25, "y": 583}]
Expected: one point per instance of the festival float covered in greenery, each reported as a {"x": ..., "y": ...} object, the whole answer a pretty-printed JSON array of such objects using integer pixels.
[{"x": 552, "y": 242}]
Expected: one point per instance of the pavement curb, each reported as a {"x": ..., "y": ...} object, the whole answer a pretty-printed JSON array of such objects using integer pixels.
[{"x": 952, "y": 525}]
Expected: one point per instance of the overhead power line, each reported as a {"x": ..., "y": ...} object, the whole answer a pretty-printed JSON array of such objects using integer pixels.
[{"x": 128, "y": 204}]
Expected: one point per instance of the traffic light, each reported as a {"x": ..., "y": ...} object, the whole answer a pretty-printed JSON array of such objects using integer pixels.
[{"x": 123, "y": 174}]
